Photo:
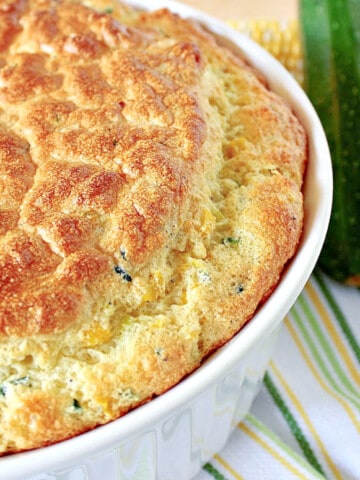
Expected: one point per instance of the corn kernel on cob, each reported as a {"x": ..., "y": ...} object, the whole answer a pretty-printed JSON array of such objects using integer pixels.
[{"x": 280, "y": 38}]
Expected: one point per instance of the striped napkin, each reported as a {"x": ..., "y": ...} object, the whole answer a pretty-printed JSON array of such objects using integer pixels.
[{"x": 305, "y": 423}]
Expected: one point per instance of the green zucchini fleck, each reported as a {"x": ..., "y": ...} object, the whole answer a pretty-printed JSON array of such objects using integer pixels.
[
  {"x": 76, "y": 404},
  {"x": 240, "y": 288},
  {"x": 123, "y": 273},
  {"x": 20, "y": 381},
  {"x": 230, "y": 241}
]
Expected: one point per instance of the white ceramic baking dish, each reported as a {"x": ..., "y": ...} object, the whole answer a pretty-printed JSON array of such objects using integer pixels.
[{"x": 175, "y": 434}]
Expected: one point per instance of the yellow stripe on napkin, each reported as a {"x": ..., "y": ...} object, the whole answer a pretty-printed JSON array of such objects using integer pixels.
[
  {"x": 305, "y": 417},
  {"x": 351, "y": 367},
  {"x": 227, "y": 467}
]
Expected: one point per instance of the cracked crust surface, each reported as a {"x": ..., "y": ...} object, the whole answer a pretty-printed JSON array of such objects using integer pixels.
[{"x": 150, "y": 196}]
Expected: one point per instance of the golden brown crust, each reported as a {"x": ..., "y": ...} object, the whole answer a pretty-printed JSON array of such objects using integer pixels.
[{"x": 150, "y": 196}]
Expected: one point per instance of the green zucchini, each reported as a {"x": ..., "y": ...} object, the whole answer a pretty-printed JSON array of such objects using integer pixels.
[{"x": 330, "y": 31}]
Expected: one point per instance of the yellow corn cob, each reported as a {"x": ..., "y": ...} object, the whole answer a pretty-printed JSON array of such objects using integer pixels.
[{"x": 280, "y": 38}]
